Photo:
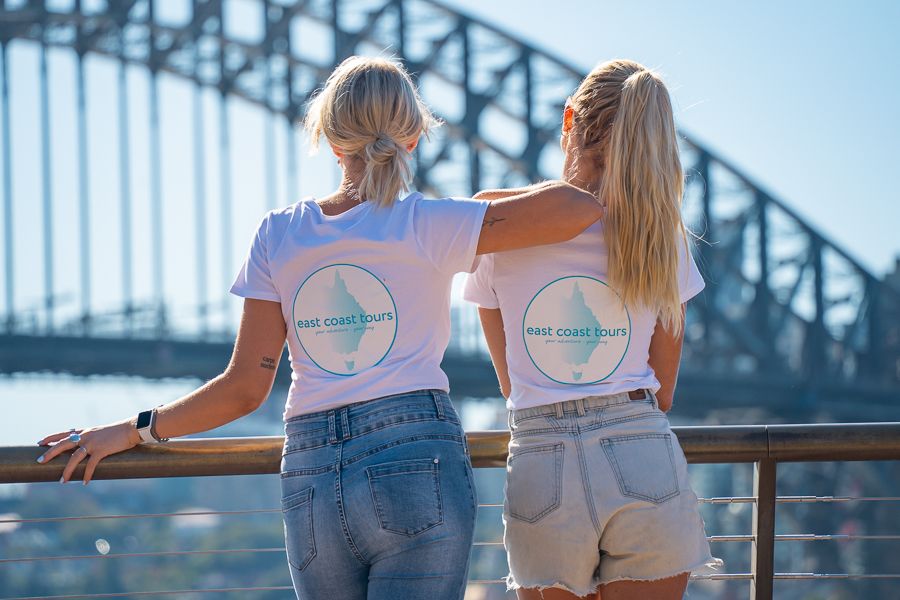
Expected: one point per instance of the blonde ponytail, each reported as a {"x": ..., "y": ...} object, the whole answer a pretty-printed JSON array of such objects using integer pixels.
[
  {"x": 370, "y": 111},
  {"x": 387, "y": 170},
  {"x": 626, "y": 123}
]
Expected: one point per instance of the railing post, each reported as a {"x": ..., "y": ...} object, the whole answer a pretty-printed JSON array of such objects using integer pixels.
[{"x": 762, "y": 557}]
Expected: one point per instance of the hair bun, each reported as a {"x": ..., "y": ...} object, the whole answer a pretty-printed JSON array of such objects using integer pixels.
[{"x": 382, "y": 149}]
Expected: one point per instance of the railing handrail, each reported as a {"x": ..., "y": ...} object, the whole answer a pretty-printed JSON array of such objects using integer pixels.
[{"x": 262, "y": 455}]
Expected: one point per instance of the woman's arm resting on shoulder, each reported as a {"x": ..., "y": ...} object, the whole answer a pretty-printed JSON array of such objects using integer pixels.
[
  {"x": 507, "y": 192},
  {"x": 548, "y": 214},
  {"x": 665, "y": 358},
  {"x": 238, "y": 391},
  {"x": 492, "y": 325}
]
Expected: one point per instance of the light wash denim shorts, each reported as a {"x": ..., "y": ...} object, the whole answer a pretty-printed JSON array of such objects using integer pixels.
[
  {"x": 378, "y": 500},
  {"x": 597, "y": 491}
]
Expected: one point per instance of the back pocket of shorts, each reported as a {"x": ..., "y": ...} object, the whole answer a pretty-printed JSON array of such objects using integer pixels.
[
  {"x": 300, "y": 542},
  {"x": 407, "y": 495},
  {"x": 644, "y": 465},
  {"x": 534, "y": 482}
]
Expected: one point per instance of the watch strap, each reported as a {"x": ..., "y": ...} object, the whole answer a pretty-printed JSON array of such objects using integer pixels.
[
  {"x": 153, "y": 431},
  {"x": 144, "y": 432}
]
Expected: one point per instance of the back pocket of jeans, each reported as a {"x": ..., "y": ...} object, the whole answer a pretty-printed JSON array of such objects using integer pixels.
[
  {"x": 534, "y": 482},
  {"x": 407, "y": 495},
  {"x": 644, "y": 465},
  {"x": 300, "y": 542}
]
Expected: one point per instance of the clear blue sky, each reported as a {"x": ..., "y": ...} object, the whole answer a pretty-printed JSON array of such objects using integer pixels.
[{"x": 804, "y": 96}]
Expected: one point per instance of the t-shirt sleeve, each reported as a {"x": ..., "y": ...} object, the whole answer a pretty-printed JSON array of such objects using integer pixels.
[
  {"x": 479, "y": 288},
  {"x": 448, "y": 229},
  {"x": 255, "y": 279},
  {"x": 690, "y": 282}
]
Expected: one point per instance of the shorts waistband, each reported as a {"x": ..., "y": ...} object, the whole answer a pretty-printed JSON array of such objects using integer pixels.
[{"x": 581, "y": 405}]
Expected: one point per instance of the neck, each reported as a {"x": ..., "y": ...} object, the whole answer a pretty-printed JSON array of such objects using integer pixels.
[
  {"x": 584, "y": 174},
  {"x": 346, "y": 196},
  {"x": 348, "y": 191}
]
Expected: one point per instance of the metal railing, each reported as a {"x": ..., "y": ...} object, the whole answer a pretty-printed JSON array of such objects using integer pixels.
[{"x": 763, "y": 445}]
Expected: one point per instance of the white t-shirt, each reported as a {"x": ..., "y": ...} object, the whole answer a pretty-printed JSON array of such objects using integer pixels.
[
  {"x": 365, "y": 294},
  {"x": 568, "y": 335}
]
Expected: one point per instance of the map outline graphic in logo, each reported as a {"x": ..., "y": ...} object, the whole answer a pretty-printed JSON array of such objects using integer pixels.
[
  {"x": 343, "y": 312},
  {"x": 577, "y": 294}
]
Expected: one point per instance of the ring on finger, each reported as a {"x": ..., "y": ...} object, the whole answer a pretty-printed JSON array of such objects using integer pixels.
[
  {"x": 75, "y": 438},
  {"x": 83, "y": 449}
]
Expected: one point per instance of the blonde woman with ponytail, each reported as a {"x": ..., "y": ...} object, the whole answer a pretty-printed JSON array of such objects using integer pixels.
[
  {"x": 377, "y": 493},
  {"x": 586, "y": 339}
]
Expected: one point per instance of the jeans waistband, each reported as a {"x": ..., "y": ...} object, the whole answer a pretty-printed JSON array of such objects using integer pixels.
[
  {"x": 341, "y": 424},
  {"x": 582, "y": 405}
]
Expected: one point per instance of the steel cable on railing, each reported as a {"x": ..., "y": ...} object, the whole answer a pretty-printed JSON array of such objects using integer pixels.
[
  {"x": 798, "y": 537},
  {"x": 273, "y": 588},
  {"x": 140, "y": 554},
  {"x": 143, "y": 515},
  {"x": 713, "y": 500}
]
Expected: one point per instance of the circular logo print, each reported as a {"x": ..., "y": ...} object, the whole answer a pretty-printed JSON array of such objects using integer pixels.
[
  {"x": 576, "y": 330},
  {"x": 345, "y": 319}
]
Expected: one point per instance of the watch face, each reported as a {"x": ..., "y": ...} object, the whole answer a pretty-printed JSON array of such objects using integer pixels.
[{"x": 143, "y": 419}]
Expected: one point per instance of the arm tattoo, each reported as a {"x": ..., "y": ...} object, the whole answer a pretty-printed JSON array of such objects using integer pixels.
[
  {"x": 490, "y": 221},
  {"x": 268, "y": 363}
]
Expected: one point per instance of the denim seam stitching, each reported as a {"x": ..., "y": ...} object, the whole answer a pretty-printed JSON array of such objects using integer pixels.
[
  {"x": 415, "y": 438},
  {"x": 293, "y": 449},
  {"x": 300, "y": 472},
  {"x": 379, "y": 427},
  {"x": 338, "y": 488},
  {"x": 586, "y": 484},
  {"x": 532, "y": 432},
  {"x": 618, "y": 420}
]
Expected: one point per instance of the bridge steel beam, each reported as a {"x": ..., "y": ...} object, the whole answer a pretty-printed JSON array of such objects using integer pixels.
[{"x": 782, "y": 299}]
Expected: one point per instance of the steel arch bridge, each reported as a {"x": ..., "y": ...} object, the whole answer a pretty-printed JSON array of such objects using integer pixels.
[{"x": 788, "y": 322}]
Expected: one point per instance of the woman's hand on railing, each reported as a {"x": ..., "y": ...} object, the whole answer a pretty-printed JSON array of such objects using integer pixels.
[{"x": 93, "y": 444}]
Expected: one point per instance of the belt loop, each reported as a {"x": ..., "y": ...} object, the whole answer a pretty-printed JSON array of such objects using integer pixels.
[
  {"x": 579, "y": 406},
  {"x": 345, "y": 424},
  {"x": 559, "y": 409},
  {"x": 332, "y": 437},
  {"x": 438, "y": 404}
]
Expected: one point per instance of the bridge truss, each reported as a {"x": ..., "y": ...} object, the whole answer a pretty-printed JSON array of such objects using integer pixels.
[{"x": 788, "y": 320}]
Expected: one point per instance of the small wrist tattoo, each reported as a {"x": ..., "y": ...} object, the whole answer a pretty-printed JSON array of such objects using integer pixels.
[
  {"x": 268, "y": 363},
  {"x": 490, "y": 221}
]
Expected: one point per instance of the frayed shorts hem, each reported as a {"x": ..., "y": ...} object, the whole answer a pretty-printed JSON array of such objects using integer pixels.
[
  {"x": 708, "y": 565},
  {"x": 512, "y": 585}
]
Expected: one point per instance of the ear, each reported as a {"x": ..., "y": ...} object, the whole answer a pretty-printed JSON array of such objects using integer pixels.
[
  {"x": 412, "y": 146},
  {"x": 568, "y": 119},
  {"x": 337, "y": 152}
]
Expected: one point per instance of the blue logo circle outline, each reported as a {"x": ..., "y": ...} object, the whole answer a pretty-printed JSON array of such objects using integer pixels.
[
  {"x": 294, "y": 318},
  {"x": 525, "y": 343}
]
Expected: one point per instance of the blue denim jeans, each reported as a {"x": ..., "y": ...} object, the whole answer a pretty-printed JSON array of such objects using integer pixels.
[{"x": 378, "y": 500}]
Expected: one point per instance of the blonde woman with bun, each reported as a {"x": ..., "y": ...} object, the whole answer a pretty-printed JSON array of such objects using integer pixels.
[
  {"x": 586, "y": 339},
  {"x": 377, "y": 493}
]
